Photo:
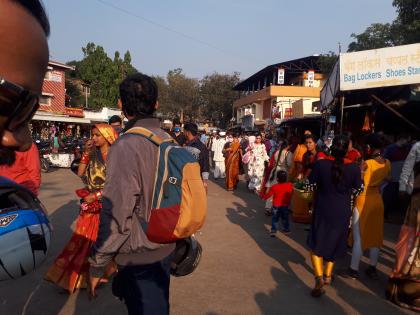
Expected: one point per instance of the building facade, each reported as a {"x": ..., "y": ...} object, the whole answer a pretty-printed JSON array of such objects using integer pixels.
[
  {"x": 280, "y": 91},
  {"x": 53, "y": 97}
]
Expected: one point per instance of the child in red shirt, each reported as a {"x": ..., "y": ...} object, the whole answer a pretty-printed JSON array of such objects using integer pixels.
[{"x": 282, "y": 195}]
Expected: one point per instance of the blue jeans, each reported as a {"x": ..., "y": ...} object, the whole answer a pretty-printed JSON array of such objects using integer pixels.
[
  {"x": 144, "y": 288},
  {"x": 283, "y": 214}
]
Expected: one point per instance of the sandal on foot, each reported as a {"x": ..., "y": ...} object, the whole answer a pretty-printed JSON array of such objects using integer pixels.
[{"x": 318, "y": 291}]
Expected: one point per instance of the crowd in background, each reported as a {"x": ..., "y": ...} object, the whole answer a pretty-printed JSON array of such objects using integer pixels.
[{"x": 336, "y": 184}]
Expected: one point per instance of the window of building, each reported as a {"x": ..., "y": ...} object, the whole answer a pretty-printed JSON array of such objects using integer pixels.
[
  {"x": 45, "y": 100},
  {"x": 48, "y": 75}
]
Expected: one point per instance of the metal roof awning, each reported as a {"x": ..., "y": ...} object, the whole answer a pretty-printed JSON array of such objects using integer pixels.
[
  {"x": 314, "y": 117},
  {"x": 292, "y": 66},
  {"x": 59, "y": 118}
]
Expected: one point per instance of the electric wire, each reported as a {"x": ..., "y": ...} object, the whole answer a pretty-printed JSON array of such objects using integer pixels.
[{"x": 187, "y": 36}]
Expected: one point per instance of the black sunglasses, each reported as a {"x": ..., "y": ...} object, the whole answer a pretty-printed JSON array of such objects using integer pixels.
[{"x": 17, "y": 104}]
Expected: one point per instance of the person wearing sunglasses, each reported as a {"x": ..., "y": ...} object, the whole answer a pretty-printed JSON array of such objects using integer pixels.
[{"x": 24, "y": 28}]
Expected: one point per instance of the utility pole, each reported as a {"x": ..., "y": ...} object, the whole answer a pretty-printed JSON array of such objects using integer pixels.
[{"x": 86, "y": 96}]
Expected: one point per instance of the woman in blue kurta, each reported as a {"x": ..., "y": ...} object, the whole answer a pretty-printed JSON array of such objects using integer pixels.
[{"x": 335, "y": 180}]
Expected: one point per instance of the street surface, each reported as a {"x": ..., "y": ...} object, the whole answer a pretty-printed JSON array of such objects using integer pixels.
[{"x": 243, "y": 270}]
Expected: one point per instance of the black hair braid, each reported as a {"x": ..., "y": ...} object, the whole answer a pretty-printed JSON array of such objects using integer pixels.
[
  {"x": 337, "y": 170},
  {"x": 339, "y": 149}
]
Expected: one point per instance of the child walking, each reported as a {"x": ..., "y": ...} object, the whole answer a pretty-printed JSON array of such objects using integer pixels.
[{"x": 282, "y": 195}]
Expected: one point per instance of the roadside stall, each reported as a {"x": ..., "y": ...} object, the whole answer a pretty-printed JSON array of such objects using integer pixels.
[
  {"x": 59, "y": 137},
  {"x": 375, "y": 90}
]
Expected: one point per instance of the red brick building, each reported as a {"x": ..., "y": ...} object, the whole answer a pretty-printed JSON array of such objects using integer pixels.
[{"x": 54, "y": 89}]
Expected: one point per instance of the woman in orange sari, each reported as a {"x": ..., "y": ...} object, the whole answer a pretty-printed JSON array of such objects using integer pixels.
[
  {"x": 233, "y": 160},
  {"x": 70, "y": 268}
]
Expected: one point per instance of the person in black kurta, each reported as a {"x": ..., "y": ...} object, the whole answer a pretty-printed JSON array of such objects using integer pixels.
[{"x": 334, "y": 181}]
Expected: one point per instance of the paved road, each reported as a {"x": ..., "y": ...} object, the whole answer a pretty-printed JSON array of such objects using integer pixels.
[{"x": 243, "y": 270}]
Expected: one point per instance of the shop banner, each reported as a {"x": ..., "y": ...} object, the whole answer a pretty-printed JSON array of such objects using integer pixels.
[
  {"x": 288, "y": 113},
  {"x": 383, "y": 67},
  {"x": 280, "y": 76},
  {"x": 311, "y": 78}
]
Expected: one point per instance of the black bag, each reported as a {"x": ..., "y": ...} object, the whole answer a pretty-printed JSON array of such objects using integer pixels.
[{"x": 118, "y": 286}]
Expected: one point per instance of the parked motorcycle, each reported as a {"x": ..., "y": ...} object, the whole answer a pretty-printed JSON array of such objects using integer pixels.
[{"x": 44, "y": 152}]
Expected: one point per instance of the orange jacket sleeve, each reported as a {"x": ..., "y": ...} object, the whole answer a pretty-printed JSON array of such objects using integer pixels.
[{"x": 33, "y": 165}]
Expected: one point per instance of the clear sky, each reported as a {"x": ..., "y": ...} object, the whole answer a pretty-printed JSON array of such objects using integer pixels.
[{"x": 204, "y": 36}]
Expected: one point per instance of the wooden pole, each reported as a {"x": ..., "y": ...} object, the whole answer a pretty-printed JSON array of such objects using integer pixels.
[
  {"x": 342, "y": 114},
  {"x": 395, "y": 112}
]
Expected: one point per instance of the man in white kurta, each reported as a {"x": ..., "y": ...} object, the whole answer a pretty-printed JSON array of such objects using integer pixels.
[{"x": 219, "y": 159}]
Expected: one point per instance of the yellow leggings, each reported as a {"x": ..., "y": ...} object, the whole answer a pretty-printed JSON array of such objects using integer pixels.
[{"x": 318, "y": 265}]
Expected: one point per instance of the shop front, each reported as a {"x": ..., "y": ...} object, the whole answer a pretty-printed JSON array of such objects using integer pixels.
[
  {"x": 387, "y": 102},
  {"x": 61, "y": 137}
]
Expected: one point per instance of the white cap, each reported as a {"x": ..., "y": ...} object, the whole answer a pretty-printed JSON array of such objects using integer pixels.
[{"x": 222, "y": 133}]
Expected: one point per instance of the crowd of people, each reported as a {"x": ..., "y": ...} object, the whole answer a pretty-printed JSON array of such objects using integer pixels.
[
  {"x": 343, "y": 186},
  {"x": 351, "y": 186}
]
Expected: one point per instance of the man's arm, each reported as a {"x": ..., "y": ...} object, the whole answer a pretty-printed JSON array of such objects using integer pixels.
[
  {"x": 408, "y": 166},
  {"x": 120, "y": 195},
  {"x": 269, "y": 194}
]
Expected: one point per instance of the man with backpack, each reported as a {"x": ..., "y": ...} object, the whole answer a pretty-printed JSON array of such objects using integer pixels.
[{"x": 143, "y": 275}]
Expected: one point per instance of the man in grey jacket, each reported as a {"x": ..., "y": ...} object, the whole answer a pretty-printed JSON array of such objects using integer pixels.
[
  {"x": 407, "y": 174},
  {"x": 142, "y": 281}
]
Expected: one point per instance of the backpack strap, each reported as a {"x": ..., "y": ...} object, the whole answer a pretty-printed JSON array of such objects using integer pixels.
[{"x": 146, "y": 133}]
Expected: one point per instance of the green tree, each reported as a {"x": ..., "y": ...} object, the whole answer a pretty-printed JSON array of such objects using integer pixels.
[
  {"x": 98, "y": 69},
  {"x": 163, "y": 98},
  {"x": 405, "y": 29},
  {"x": 182, "y": 95},
  {"x": 102, "y": 73},
  {"x": 375, "y": 36},
  {"x": 327, "y": 61},
  {"x": 75, "y": 97},
  {"x": 217, "y": 97}
]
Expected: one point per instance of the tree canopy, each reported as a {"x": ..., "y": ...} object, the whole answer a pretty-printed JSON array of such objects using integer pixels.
[
  {"x": 180, "y": 96},
  {"x": 210, "y": 98},
  {"x": 405, "y": 29},
  {"x": 102, "y": 73}
]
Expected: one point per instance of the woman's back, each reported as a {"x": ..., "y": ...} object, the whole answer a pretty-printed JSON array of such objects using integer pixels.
[
  {"x": 325, "y": 184},
  {"x": 376, "y": 172}
]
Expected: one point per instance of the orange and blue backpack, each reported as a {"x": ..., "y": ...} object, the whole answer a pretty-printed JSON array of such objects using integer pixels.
[{"x": 179, "y": 205}]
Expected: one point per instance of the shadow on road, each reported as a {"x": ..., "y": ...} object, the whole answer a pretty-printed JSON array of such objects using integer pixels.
[{"x": 294, "y": 277}]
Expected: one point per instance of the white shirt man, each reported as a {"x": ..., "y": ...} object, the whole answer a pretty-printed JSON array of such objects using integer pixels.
[{"x": 218, "y": 158}]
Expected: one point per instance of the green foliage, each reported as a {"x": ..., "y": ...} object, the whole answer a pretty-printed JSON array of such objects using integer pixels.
[
  {"x": 217, "y": 96},
  {"x": 75, "y": 97},
  {"x": 375, "y": 36},
  {"x": 179, "y": 95},
  {"x": 208, "y": 99},
  {"x": 405, "y": 29},
  {"x": 102, "y": 73},
  {"x": 326, "y": 62}
]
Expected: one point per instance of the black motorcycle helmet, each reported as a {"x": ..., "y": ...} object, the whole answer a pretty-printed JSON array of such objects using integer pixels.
[{"x": 186, "y": 257}]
